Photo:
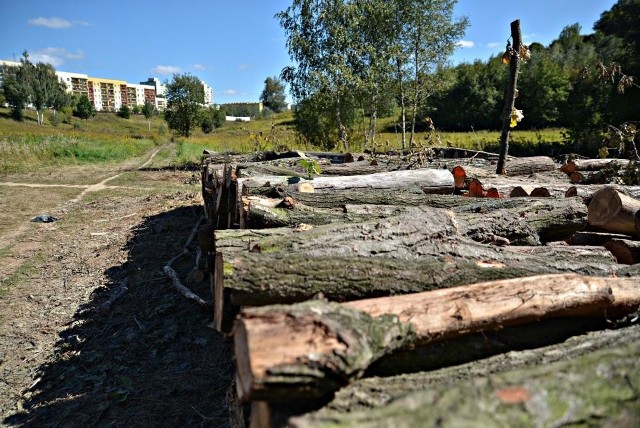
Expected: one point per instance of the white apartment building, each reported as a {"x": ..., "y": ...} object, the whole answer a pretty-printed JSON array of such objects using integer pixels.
[{"x": 112, "y": 94}]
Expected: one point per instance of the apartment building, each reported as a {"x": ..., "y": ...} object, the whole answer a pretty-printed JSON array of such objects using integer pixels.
[
  {"x": 112, "y": 94},
  {"x": 208, "y": 94}
]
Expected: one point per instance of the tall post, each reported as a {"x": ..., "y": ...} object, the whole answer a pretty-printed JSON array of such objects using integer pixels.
[{"x": 510, "y": 96}]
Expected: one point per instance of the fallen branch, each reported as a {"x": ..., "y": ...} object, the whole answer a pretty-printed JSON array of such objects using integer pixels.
[
  {"x": 121, "y": 291},
  {"x": 182, "y": 288}
]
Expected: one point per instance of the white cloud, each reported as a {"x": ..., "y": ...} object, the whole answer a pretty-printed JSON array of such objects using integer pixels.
[
  {"x": 54, "y": 56},
  {"x": 230, "y": 92},
  {"x": 243, "y": 66},
  {"x": 56, "y": 23},
  {"x": 466, "y": 44},
  {"x": 493, "y": 45},
  {"x": 199, "y": 67},
  {"x": 166, "y": 69}
]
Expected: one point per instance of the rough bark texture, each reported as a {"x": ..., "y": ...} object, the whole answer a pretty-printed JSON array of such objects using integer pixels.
[
  {"x": 589, "y": 379},
  {"x": 430, "y": 180},
  {"x": 594, "y": 238},
  {"x": 262, "y": 279},
  {"x": 323, "y": 348},
  {"x": 592, "y": 164},
  {"x": 409, "y": 235},
  {"x": 340, "y": 198},
  {"x": 315, "y": 346}
]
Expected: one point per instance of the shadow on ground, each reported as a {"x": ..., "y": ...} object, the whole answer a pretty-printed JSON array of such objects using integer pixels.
[{"x": 150, "y": 359}]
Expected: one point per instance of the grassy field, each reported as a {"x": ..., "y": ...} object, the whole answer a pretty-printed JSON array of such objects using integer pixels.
[{"x": 109, "y": 138}]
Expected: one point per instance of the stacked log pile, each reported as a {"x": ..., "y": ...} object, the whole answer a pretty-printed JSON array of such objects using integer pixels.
[{"x": 386, "y": 266}]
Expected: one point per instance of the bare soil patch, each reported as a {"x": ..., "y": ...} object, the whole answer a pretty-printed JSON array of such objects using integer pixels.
[{"x": 149, "y": 360}]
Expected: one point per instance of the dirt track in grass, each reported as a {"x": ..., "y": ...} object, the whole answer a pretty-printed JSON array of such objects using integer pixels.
[{"x": 150, "y": 359}]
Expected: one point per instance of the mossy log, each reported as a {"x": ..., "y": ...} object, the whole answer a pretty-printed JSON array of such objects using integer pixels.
[
  {"x": 263, "y": 279},
  {"x": 587, "y": 380},
  {"x": 521, "y": 221},
  {"x": 318, "y": 346}
]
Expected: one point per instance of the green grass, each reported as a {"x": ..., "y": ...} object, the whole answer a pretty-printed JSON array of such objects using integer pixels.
[
  {"x": 26, "y": 144},
  {"x": 107, "y": 138}
]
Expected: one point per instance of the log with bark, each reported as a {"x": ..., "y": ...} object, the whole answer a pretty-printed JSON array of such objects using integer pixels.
[
  {"x": 439, "y": 181},
  {"x": 591, "y": 238},
  {"x": 411, "y": 196},
  {"x": 520, "y": 221},
  {"x": 587, "y": 378},
  {"x": 263, "y": 279},
  {"x": 529, "y": 165},
  {"x": 624, "y": 250},
  {"x": 592, "y": 164},
  {"x": 318, "y": 346},
  {"x": 614, "y": 212}
]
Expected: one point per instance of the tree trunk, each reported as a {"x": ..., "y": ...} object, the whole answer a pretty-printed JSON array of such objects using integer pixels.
[
  {"x": 317, "y": 346},
  {"x": 529, "y": 165},
  {"x": 438, "y": 181},
  {"x": 614, "y": 212},
  {"x": 510, "y": 97},
  {"x": 625, "y": 251},
  {"x": 263, "y": 279},
  {"x": 592, "y": 164},
  {"x": 513, "y": 389},
  {"x": 414, "y": 232},
  {"x": 594, "y": 238}
]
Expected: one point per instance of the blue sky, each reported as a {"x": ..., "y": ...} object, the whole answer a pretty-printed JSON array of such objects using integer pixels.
[{"x": 232, "y": 46}]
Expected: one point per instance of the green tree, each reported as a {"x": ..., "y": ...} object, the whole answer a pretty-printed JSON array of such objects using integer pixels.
[
  {"x": 426, "y": 40},
  {"x": 621, "y": 22},
  {"x": 350, "y": 50},
  {"x": 148, "y": 110},
  {"x": 185, "y": 97},
  {"x": 319, "y": 42},
  {"x": 475, "y": 98},
  {"x": 44, "y": 88},
  {"x": 124, "y": 112},
  {"x": 544, "y": 86},
  {"x": 273, "y": 95},
  {"x": 84, "y": 108},
  {"x": 61, "y": 99},
  {"x": 16, "y": 86}
]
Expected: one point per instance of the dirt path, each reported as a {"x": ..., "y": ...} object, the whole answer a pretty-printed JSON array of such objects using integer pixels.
[{"x": 148, "y": 360}]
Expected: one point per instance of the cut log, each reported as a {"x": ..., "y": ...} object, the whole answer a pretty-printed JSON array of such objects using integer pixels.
[
  {"x": 318, "y": 346},
  {"x": 402, "y": 197},
  {"x": 584, "y": 379},
  {"x": 263, "y": 279},
  {"x": 625, "y": 251},
  {"x": 540, "y": 192},
  {"x": 413, "y": 233},
  {"x": 476, "y": 190},
  {"x": 439, "y": 181},
  {"x": 594, "y": 238},
  {"x": 353, "y": 168},
  {"x": 529, "y": 165},
  {"x": 459, "y": 176},
  {"x": 518, "y": 192},
  {"x": 262, "y": 216},
  {"x": 614, "y": 212},
  {"x": 592, "y": 164}
]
